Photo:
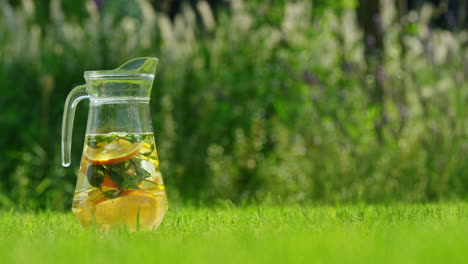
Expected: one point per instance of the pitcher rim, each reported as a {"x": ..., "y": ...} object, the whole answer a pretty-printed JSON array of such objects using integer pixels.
[{"x": 109, "y": 75}]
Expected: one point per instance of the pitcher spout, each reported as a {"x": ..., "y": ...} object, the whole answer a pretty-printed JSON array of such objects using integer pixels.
[
  {"x": 132, "y": 79},
  {"x": 139, "y": 65}
]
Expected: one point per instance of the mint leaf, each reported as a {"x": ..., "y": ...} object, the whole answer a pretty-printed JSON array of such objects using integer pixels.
[
  {"x": 116, "y": 172},
  {"x": 133, "y": 138},
  {"x": 112, "y": 194},
  {"x": 95, "y": 175},
  {"x": 127, "y": 174},
  {"x": 142, "y": 174}
]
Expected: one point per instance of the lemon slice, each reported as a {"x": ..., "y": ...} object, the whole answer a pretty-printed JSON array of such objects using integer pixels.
[
  {"x": 116, "y": 151},
  {"x": 128, "y": 210},
  {"x": 84, "y": 210},
  {"x": 84, "y": 214},
  {"x": 132, "y": 209},
  {"x": 146, "y": 148},
  {"x": 108, "y": 182}
]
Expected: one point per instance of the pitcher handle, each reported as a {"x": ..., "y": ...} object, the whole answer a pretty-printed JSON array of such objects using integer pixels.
[{"x": 74, "y": 97}]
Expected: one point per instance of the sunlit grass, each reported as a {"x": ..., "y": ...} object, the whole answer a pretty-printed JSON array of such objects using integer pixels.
[{"x": 342, "y": 234}]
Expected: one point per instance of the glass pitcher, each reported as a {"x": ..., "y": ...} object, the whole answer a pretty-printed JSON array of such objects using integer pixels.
[{"x": 119, "y": 182}]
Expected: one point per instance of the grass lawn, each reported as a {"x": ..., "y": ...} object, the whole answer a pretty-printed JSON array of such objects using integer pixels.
[{"x": 342, "y": 234}]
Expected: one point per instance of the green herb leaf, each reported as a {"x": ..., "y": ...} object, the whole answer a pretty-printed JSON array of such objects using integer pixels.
[
  {"x": 142, "y": 174},
  {"x": 116, "y": 172},
  {"x": 127, "y": 174},
  {"x": 109, "y": 139},
  {"x": 93, "y": 141},
  {"x": 112, "y": 194},
  {"x": 95, "y": 175},
  {"x": 133, "y": 138},
  {"x": 93, "y": 144},
  {"x": 101, "y": 138}
]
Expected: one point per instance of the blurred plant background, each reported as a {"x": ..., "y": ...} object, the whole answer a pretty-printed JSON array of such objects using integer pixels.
[{"x": 281, "y": 101}]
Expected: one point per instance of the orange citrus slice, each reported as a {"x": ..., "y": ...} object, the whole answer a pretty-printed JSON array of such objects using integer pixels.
[
  {"x": 129, "y": 209},
  {"x": 84, "y": 210},
  {"x": 108, "y": 182},
  {"x": 132, "y": 209},
  {"x": 116, "y": 151},
  {"x": 134, "y": 192}
]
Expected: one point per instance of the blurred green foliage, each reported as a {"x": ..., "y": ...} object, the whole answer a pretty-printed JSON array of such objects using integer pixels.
[{"x": 246, "y": 107}]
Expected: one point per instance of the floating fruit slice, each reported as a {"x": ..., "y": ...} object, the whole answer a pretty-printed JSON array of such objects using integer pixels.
[
  {"x": 108, "y": 182},
  {"x": 84, "y": 210},
  {"x": 131, "y": 208},
  {"x": 147, "y": 149},
  {"x": 134, "y": 192},
  {"x": 114, "y": 152},
  {"x": 149, "y": 152},
  {"x": 84, "y": 214}
]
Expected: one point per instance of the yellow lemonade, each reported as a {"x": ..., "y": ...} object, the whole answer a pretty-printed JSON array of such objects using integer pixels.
[{"x": 119, "y": 183}]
